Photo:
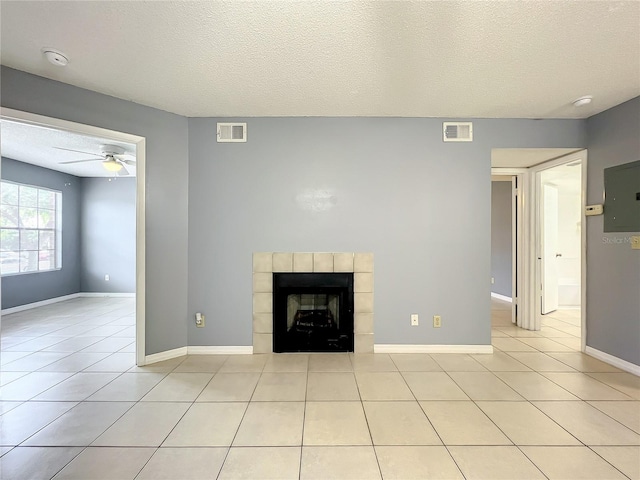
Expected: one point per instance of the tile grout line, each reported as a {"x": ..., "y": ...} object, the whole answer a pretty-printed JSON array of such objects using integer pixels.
[
  {"x": 304, "y": 417},
  {"x": 513, "y": 443},
  {"x": 600, "y": 456},
  {"x": 361, "y": 402},
  {"x": 165, "y": 438},
  {"x": 366, "y": 419},
  {"x": 135, "y": 403},
  {"x": 429, "y": 420},
  {"x": 128, "y": 410},
  {"x": 612, "y": 418},
  {"x": 491, "y": 420},
  {"x": 224, "y": 460}
]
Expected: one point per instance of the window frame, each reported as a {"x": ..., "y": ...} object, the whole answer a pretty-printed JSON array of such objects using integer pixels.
[{"x": 56, "y": 230}]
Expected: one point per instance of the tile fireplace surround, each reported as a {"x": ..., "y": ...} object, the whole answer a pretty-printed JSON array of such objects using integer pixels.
[{"x": 266, "y": 263}]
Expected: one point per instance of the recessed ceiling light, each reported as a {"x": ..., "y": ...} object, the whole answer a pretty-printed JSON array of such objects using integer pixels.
[
  {"x": 55, "y": 56},
  {"x": 586, "y": 100}
]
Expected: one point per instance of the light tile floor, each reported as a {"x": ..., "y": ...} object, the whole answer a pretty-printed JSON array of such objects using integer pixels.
[{"x": 74, "y": 406}]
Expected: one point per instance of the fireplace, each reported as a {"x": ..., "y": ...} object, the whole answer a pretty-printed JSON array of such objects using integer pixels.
[
  {"x": 357, "y": 264},
  {"x": 312, "y": 312}
]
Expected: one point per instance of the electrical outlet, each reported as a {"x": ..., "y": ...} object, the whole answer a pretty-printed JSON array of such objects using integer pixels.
[
  {"x": 414, "y": 320},
  {"x": 106, "y": 278},
  {"x": 437, "y": 321},
  {"x": 199, "y": 320},
  {"x": 493, "y": 280}
]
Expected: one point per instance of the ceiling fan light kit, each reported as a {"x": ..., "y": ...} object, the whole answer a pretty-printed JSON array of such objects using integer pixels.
[
  {"x": 110, "y": 159},
  {"x": 112, "y": 165}
]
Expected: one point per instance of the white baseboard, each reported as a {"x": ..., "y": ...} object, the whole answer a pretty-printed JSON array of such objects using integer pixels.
[
  {"x": 42, "y": 303},
  {"x": 615, "y": 361},
  {"x": 400, "y": 348},
  {"x": 49, "y": 301},
  {"x": 220, "y": 350},
  {"x": 199, "y": 350},
  {"x": 501, "y": 297},
  {"x": 166, "y": 355},
  {"x": 106, "y": 294}
]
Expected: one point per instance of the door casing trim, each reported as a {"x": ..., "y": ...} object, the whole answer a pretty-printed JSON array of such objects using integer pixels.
[{"x": 140, "y": 143}]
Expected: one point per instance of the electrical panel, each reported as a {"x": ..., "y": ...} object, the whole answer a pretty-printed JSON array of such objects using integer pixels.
[{"x": 622, "y": 198}]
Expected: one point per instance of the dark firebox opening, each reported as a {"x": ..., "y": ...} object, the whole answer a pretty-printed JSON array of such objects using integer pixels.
[{"x": 313, "y": 312}]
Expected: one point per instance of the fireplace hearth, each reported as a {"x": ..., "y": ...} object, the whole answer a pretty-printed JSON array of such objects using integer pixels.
[{"x": 313, "y": 312}]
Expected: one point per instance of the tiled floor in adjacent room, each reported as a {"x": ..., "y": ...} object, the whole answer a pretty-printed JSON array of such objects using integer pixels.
[{"x": 74, "y": 406}]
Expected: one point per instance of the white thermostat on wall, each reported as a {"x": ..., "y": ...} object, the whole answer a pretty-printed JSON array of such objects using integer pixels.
[{"x": 593, "y": 210}]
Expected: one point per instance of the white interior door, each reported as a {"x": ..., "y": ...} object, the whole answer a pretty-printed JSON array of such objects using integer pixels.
[{"x": 549, "y": 249}]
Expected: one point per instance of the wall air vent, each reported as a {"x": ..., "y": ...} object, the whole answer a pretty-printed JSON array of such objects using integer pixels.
[
  {"x": 232, "y": 132},
  {"x": 457, "y": 131}
]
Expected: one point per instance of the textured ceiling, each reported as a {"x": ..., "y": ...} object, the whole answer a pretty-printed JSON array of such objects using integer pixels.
[
  {"x": 42, "y": 146},
  {"x": 320, "y": 58}
]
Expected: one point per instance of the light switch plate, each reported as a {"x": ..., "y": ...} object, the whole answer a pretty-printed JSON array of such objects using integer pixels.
[
  {"x": 414, "y": 320},
  {"x": 635, "y": 242}
]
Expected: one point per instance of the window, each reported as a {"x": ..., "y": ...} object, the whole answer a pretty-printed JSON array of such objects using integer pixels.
[{"x": 30, "y": 229}]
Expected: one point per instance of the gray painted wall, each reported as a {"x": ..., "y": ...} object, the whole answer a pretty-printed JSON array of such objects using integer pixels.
[
  {"x": 501, "y": 237},
  {"x": 35, "y": 287},
  {"x": 420, "y": 205},
  {"x": 390, "y": 186},
  {"x": 613, "y": 269},
  {"x": 108, "y": 212},
  {"x": 167, "y": 184}
]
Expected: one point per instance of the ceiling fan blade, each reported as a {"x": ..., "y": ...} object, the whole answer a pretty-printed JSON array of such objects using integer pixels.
[
  {"x": 129, "y": 162},
  {"x": 123, "y": 172},
  {"x": 125, "y": 154},
  {"x": 77, "y": 151},
  {"x": 82, "y": 161}
]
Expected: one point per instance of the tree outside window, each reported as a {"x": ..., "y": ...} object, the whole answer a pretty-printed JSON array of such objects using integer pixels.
[{"x": 30, "y": 228}]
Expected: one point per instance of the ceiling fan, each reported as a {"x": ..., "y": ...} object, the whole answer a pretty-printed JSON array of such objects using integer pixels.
[{"x": 110, "y": 158}]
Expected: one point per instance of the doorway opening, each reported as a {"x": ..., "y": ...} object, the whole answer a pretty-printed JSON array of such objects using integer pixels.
[
  {"x": 560, "y": 220},
  {"x": 508, "y": 272},
  {"x": 528, "y": 166},
  {"x": 503, "y": 250},
  {"x": 118, "y": 142}
]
